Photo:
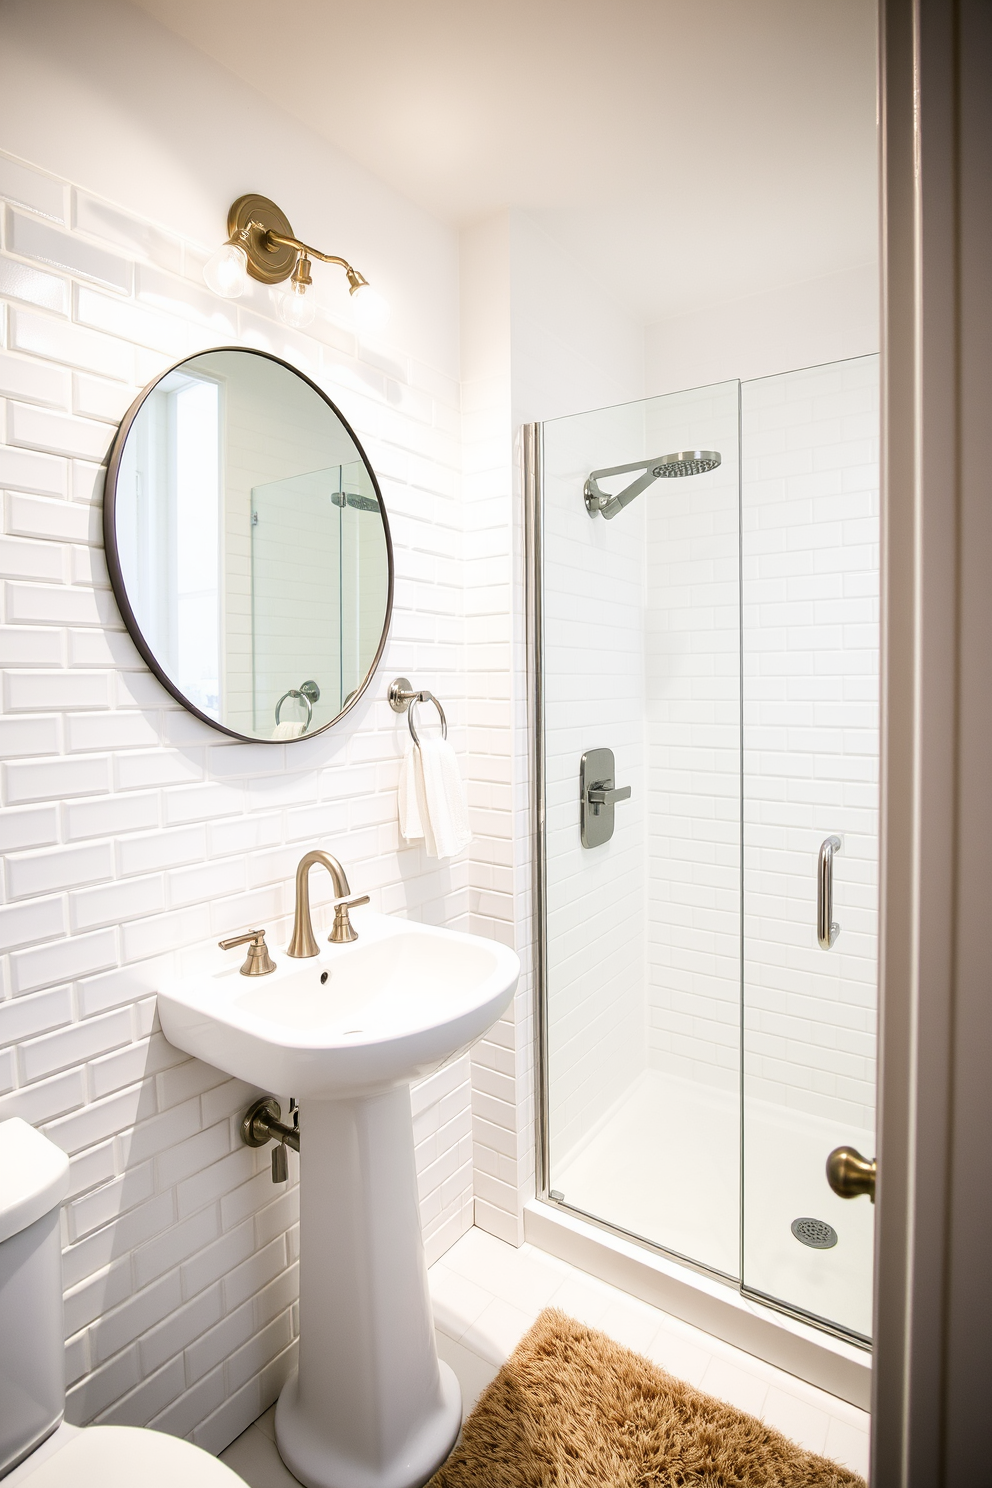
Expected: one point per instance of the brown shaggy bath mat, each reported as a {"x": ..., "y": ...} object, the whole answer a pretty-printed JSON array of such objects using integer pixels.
[{"x": 572, "y": 1409}]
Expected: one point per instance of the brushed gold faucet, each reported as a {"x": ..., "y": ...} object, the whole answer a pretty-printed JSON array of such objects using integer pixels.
[{"x": 303, "y": 941}]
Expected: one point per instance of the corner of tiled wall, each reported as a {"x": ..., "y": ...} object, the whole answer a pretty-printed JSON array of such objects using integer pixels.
[
  {"x": 500, "y": 884},
  {"x": 502, "y": 1062}
]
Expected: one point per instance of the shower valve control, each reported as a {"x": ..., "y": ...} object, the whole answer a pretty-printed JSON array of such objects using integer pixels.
[
  {"x": 605, "y": 794},
  {"x": 598, "y": 794}
]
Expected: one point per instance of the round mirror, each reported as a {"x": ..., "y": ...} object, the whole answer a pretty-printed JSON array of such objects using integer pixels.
[{"x": 248, "y": 545}]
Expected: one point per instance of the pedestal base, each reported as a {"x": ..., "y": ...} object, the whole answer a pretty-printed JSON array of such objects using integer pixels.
[
  {"x": 371, "y": 1406},
  {"x": 320, "y": 1464}
]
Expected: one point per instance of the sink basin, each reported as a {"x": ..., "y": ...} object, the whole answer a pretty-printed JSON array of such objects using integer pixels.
[
  {"x": 390, "y": 1007},
  {"x": 345, "y": 1032}
]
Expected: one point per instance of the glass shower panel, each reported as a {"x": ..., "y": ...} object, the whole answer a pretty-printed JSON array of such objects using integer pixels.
[
  {"x": 810, "y": 654},
  {"x": 364, "y": 576},
  {"x": 296, "y": 561},
  {"x": 642, "y": 657},
  {"x": 315, "y": 553}
]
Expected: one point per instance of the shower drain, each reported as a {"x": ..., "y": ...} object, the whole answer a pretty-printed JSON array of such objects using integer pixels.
[{"x": 814, "y": 1232}]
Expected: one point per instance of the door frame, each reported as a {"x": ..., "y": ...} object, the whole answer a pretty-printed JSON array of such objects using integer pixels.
[{"x": 933, "y": 1301}]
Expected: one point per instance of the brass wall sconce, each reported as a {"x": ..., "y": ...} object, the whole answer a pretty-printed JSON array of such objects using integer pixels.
[{"x": 262, "y": 244}]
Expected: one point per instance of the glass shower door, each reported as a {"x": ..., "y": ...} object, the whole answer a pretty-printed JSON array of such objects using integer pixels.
[
  {"x": 642, "y": 658},
  {"x": 312, "y": 537},
  {"x": 705, "y": 1052},
  {"x": 810, "y": 786}
]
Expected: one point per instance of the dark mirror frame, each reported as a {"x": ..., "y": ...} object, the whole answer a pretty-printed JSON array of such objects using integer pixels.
[{"x": 117, "y": 576}]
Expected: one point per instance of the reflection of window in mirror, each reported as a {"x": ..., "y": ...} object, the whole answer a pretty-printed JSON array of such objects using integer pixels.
[{"x": 168, "y": 504}]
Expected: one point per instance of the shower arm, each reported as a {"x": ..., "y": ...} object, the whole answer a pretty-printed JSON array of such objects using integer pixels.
[
  {"x": 682, "y": 462},
  {"x": 607, "y": 505}
]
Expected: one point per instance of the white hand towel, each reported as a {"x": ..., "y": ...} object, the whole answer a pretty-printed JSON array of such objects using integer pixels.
[
  {"x": 432, "y": 804},
  {"x": 410, "y": 791},
  {"x": 287, "y": 730},
  {"x": 444, "y": 809}
]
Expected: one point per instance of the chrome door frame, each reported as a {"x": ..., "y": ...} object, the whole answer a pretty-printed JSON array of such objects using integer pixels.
[{"x": 533, "y": 488}]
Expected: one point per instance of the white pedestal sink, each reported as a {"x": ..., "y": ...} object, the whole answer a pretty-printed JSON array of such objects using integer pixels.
[{"x": 346, "y": 1032}]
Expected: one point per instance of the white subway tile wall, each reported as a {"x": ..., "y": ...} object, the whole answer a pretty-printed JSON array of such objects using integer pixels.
[
  {"x": 131, "y": 833},
  {"x": 499, "y": 891}
]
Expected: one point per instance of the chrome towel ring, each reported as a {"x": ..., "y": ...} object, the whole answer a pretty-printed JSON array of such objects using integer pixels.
[
  {"x": 308, "y": 693},
  {"x": 403, "y": 698}
]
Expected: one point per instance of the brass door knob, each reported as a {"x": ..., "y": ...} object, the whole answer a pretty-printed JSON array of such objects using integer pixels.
[{"x": 849, "y": 1174}]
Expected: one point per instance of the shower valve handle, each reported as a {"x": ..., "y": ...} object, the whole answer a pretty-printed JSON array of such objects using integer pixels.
[
  {"x": 605, "y": 794},
  {"x": 598, "y": 794}
]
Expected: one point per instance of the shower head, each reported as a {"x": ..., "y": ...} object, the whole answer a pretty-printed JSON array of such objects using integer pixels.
[
  {"x": 667, "y": 467},
  {"x": 686, "y": 462}
]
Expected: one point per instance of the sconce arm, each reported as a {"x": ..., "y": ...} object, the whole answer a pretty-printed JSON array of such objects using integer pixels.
[{"x": 285, "y": 241}]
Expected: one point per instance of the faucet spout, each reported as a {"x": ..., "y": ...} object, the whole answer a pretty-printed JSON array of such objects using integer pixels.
[{"x": 304, "y": 942}]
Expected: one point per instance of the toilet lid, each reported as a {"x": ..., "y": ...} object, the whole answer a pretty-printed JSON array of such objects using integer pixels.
[
  {"x": 130, "y": 1457},
  {"x": 34, "y": 1176}
]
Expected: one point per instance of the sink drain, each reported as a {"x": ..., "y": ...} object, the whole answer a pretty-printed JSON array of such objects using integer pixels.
[{"x": 815, "y": 1233}]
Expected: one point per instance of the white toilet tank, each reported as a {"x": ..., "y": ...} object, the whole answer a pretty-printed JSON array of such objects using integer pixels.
[{"x": 34, "y": 1178}]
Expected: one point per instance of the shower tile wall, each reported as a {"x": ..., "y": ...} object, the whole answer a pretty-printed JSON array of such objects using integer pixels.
[
  {"x": 131, "y": 833},
  {"x": 811, "y": 618},
  {"x": 594, "y": 676}
]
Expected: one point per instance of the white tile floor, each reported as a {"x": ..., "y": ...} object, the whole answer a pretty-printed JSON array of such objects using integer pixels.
[{"x": 487, "y": 1294}]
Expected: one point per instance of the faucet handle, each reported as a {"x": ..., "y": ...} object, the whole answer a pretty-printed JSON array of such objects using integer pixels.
[
  {"x": 343, "y": 931},
  {"x": 258, "y": 962}
]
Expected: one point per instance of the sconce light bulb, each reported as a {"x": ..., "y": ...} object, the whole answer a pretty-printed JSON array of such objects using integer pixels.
[
  {"x": 226, "y": 271},
  {"x": 297, "y": 306},
  {"x": 368, "y": 306}
]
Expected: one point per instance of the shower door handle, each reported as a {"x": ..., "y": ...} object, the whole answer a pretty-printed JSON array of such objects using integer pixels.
[{"x": 827, "y": 930}]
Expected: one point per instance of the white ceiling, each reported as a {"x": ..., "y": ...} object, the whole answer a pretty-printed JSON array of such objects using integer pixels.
[{"x": 690, "y": 151}]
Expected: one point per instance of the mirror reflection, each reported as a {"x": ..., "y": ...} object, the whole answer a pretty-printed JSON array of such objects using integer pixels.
[{"x": 248, "y": 545}]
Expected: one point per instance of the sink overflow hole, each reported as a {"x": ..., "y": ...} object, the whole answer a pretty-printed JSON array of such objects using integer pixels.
[
  {"x": 814, "y": 1232},
  {"x": 323, "y": 977}
]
